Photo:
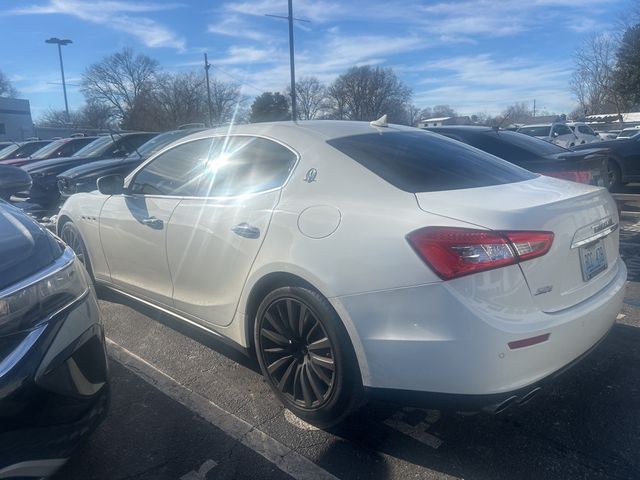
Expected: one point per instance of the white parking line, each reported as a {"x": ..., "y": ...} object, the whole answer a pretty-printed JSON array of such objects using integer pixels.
[
  {"x": 202, "y": 472},
  {"x": 287, "y": 460},
  {"x": 417, "y": 432}
]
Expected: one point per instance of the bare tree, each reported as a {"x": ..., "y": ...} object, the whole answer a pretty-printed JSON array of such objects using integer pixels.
[
  {"x": 96, "y": 115},
  {"x": 592, "y": 81},
  {"x": 181, "y": 98},
  {"x": 6, "y": 88},
  {"x": 58, "y": 118},
  {"x": 366, "y": 93},
  {"x": 120, "y": 80},
  {"x": 311, "y": 97},
  {"x": 226, "y": 100},
  {"x": 412, "y": 115}
]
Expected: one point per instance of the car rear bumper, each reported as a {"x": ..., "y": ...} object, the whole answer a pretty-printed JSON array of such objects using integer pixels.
[
  {"x": 53, "y": 388},
  {"x": 445, "y": 340}
]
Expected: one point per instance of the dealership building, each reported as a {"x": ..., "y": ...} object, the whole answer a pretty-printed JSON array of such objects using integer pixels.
[{"x": 15, "y": 119}]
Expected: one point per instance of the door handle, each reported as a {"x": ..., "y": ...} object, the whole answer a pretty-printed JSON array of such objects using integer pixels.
[
  {"x": 153, "y": 222},
  {"x": 246, "y": 230}
]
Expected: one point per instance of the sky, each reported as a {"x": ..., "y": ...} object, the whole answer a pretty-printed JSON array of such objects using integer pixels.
[{"x": 479, "y": 56}]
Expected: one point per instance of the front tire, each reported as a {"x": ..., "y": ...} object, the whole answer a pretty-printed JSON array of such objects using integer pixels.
[
  {"x": 306, "y": 357},
  {"x": 71, "y": 236}
]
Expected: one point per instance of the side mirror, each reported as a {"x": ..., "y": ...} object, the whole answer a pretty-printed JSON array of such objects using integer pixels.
[
  {"x": 13, "y": 180},
  {"x": 111, "y": 185}
]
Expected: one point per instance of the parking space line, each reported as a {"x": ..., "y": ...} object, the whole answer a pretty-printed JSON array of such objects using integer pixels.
[
  {"x": 417, "y": 432},
  {"x": 287, "y": 460}
]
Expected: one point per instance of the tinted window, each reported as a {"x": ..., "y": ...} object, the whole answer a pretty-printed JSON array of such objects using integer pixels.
[
  {"x": 220, "y": 166},
  {"x": 95, "y": 148},
  {"x": 423, "y": 162},
  {"x": 160, "y": 141},
  {"x": 562, "y": 130},
  {"x": 586, "y": 130},
  {"x": 47, "y": 150},
  {"x": 536, "y": 131},
  {"x": 175, "y": 172},
  {"x": 130, "y": 143},
  {"x": 513, "y": 147}
]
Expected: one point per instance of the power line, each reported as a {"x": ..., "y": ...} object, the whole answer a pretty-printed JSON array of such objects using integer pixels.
[{"x": 241, "y": 82}]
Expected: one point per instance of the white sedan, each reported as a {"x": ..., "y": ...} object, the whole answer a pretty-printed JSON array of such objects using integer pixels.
[{"x": 359, "y": 260}]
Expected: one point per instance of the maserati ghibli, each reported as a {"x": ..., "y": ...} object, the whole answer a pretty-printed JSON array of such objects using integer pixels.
[{"x": 360, "y": 260}]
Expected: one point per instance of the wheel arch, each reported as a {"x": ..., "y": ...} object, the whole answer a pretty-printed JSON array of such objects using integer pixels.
[{"x": 276, "y": 279}]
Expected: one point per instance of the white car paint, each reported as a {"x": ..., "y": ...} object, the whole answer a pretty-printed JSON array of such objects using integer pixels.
[
  {"x": 344, "y": 233},
  {"x": 583, "y": 132},
  {"x": 558, "y": 133}
]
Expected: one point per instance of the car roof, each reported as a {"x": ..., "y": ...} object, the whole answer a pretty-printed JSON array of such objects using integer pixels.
[
  {"x": 289, "y": 131},
  {"x": 462, "y": 128}
]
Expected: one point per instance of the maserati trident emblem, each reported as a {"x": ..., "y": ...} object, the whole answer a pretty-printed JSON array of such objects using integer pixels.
[{"x": 312, "y": 173}]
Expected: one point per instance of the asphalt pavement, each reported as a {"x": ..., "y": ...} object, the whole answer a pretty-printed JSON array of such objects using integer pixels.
[{"x": 187, "y": 407}]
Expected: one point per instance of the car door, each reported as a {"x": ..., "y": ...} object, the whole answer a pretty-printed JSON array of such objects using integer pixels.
[
  {"x": 214, "y": 237},
  {"x": 133, "y": 226}
]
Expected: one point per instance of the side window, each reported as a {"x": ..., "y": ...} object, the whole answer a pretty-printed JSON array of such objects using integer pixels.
[
  {"x": 69, "y": 149},
  {"x": 562, "y": 130},
  {"x": 175, "y": 172},
  {"x": 244, "y": 164},
  {"x": 586, "y": 130}
]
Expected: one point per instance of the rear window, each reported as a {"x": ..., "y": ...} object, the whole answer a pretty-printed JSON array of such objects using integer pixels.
[
  {"x": 514, "y": 147},
  {"x": 536, "y": 131},
  {"x": 426, "y": 162}
]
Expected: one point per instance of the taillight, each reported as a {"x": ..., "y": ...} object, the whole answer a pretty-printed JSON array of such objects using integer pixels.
[
  {"x": 580, "y": 176},
  {"x": 454, "y": 252}
]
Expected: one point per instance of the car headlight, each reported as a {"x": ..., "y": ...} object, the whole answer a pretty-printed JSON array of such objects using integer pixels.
[{"x": 36, "y": 300}]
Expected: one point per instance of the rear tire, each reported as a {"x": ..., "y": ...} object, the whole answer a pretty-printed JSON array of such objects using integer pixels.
[
  {"x": 71, "y": 236},
  {"x": 306, "y": 356},
  {"x": 615, "y": 176}
]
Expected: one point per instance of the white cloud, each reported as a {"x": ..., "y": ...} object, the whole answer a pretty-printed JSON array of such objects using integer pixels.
[
  {"x": 474, "y": 83},
  {"x": 314, "y": 10},
  {"x": 116, "y": 15},
  {"x": 234, "y": 26}
]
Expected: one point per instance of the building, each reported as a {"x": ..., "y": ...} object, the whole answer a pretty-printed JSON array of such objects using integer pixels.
[
  {"x": 611, "y": 121},
  {"x": 441, "y": 121},
  {"x": 15, "y": 119}
]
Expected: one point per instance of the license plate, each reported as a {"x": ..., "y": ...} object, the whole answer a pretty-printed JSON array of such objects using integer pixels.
[{"x": 593, "y": 259}]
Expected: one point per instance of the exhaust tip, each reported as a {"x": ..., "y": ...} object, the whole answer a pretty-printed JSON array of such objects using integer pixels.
[
  {"x": 529, "y": 396},
  {"x": 504, "y": 405}
]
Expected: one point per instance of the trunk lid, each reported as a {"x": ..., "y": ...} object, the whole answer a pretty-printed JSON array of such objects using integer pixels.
[{"x": 577, "y": 215}]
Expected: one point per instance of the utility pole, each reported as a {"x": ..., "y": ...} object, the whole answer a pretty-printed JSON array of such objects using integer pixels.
[
  {"x": 207, "y": 66},
  {"x": 291, "y": 18},
  {"x": 534, "y": 107},
  {"x": 294, "y": 117},
  {"x": 60, "y": 42}
]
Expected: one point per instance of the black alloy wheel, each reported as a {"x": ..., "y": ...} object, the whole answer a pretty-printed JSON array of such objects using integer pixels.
[
  {"x": 71, "y": 236},
  {"x": 305, "y": 355}
]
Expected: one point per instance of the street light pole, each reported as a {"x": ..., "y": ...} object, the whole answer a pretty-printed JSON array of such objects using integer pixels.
[
  {"x": 60, "y": 42},
  {"x": 207, "y": 66}
]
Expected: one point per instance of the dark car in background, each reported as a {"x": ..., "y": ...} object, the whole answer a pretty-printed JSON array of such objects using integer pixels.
[
  {"x": 44, "y": 191},
  {"x": 23, "y": 150},
  {"x": 84, "y": 177},
  {"x": 63, "y": 147},
  {"x": 587, "y": 166},
  {"x": 623, "y": 159},
  {"x": 54, "y": 387}
]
